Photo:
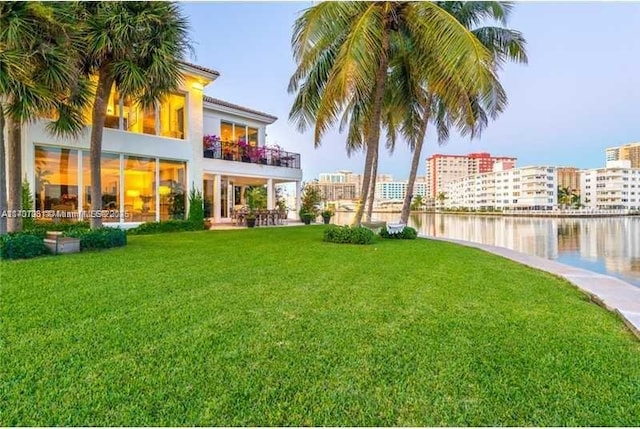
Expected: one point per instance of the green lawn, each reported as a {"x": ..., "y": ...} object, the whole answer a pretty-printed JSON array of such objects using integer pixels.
[{"x": 275, "y": 327}]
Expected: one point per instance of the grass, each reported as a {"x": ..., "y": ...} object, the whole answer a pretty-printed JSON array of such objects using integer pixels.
[{"x": 275, "y": 327}]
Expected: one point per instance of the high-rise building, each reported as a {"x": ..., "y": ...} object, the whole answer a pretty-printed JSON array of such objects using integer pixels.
[
  {"x": 391, "y": 190},
  {"x": 628, "y": 152},
  {"x": 442, "y": 169},
  {"x": 569, "y": 177}
]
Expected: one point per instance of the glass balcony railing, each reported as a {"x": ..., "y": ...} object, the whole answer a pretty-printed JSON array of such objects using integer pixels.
[{"x": 242, "y": 152}]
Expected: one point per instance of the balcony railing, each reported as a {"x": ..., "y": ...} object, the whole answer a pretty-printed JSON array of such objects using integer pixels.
[{"x": 234, "y": 151}]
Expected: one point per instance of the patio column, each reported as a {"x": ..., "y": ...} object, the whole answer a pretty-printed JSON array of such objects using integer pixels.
[
  {"x": 298, "y": 196},
  {"x": 270, "y": 203},
  {"x": 217, "y": 198}
]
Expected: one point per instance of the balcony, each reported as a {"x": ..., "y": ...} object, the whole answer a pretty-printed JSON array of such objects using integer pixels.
[{"x": 243, "y": 152}]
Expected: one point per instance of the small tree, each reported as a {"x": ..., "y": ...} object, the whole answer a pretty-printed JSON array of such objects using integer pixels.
[
  {"x": 256, "y": 198},
  {"x": 196, "y": 207},
  {"x": 310, "y": 200},
  {"x": 27, "y": 205}
]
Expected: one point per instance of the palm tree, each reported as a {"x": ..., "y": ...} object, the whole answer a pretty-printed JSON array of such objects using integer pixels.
[
  {"x": 567, "y": 197},
  {"x": 417, "y": 203},
  {"x": 503, "y": 44},
  {"x": 344, "y": 50},
  {"x": 37, "y": 78},
  {"x": 441, "y": 197},
  {"x": 136, "y": 47}
]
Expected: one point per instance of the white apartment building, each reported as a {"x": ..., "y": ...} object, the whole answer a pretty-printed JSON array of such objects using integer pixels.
[
  {"x": 442, "y": 169},
  {"x": 525, "y": 188},
  {"x": 617, "y": 186},
  {"x": 390, "y": 191}
]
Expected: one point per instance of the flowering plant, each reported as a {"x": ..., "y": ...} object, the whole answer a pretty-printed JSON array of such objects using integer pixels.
[
  {"x": 256, "y": 153},
  {"x": 210, "y": 142}
]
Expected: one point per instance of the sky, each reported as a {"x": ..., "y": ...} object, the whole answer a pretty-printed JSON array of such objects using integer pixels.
[{"x": 579, "y": 94}]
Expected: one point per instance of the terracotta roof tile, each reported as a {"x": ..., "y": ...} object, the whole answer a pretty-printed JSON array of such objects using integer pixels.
[
  {"x": 204, "y": 69},
  {"x": 219, "y": 102}
]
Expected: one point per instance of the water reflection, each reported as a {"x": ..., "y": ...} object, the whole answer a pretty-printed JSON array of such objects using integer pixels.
[{"x": 606, "y": 245}]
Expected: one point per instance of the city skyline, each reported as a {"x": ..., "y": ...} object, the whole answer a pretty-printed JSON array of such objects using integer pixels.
[{"x": 577, "y": 96}]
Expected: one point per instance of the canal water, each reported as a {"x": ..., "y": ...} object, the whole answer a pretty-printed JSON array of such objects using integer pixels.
[{"x": 606, "y": 245}]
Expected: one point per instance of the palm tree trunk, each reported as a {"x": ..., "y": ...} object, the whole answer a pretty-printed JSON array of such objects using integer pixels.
[
  {"x": 103, "y": 89},
  {"x": 415, "y": 162},
  {"x": 372, "y": 188},
  {"x": 373, "y": 139},
  {"x": 3, "y": 176},
  {"x": 366, "y": 183},
  {"x": 14, "y": 192}
]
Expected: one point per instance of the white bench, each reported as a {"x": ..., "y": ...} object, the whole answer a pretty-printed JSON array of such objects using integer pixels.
[{"x": 395, "y": 228}]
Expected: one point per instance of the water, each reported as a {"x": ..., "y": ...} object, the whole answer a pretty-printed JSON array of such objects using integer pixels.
[{"x": 606, "y": 245}]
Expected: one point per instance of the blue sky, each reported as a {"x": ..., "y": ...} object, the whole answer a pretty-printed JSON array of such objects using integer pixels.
[{"x": 579, "y": 94}]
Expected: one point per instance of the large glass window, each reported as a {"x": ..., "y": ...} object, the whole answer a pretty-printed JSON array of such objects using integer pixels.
[
  {"x": 172, "y": 116},
  {"x": 230, "y": 131},
  {"x": 110, "y": 182},
  {"x": 172, "y": 189},
  {"x": 56, "y": 179},
  {"x": 149, "y": 120},
  {"x": 152, "y": 190},
  {"x": 252, "y": 136},
  {"x": 226, "y": 131},
  {"x": 112, "y": 119},
  {"x": 140, "y": 189},
  {"x": 168, "y": 118}
]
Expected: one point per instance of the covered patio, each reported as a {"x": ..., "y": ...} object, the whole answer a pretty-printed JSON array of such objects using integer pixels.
[{"x": 225, "y": 200}]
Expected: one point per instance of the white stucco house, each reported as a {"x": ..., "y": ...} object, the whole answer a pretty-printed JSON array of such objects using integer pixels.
[{"x": 153, "y": 157}]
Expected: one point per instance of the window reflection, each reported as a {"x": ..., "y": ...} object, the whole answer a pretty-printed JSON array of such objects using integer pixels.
[
  {"x": 109, "y": 180},
  {"x": 172, "y": 116},
  {"x": 139, "y": 185},
  {"x": 56, "y": 179},
  {"x": 172, "y": 189}
]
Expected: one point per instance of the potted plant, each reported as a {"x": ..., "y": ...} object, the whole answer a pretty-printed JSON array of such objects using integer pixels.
[
  {"x": 251, "y": 219},
  {"x": 310, "y": 200},
  {"x": 307, "y": 217},
  {"x": 211, "y": 145},
  {"x": 326, "y": 215}
]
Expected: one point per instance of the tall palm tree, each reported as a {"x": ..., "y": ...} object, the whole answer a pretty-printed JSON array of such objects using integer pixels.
[
  {"x": 136, "y": 47},
  {"x": 504, "y": 44},
  {"x": 37, "y": 78},
  {"x": 343, "y": 51}
]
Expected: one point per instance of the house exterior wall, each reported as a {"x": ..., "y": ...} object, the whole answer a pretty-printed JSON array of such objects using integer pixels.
[{"x": 201, "y": 118}]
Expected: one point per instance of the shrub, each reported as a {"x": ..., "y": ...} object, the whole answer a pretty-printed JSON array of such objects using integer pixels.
[
  {"x": 407, "y": 233},
  {"x": 21, "y": 245},
  {"x": 348, "y": 235},
  {"x": 196, "y": 207},
  {"x": 165, "y": 226},
  {"x": 100, "y": 238},
  {"x": 60, "y": 226}
]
